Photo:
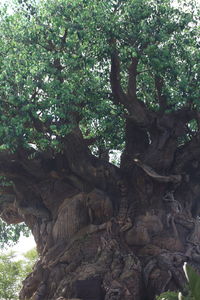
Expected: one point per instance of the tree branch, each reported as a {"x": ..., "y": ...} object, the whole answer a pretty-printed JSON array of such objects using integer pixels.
[
  {"x": 84, "y": 165},
  {"x": 12, "y": 167},
  {"x": 118, "y": 93},
  {"x": 132, "y": 79},
  {"x": 159, "y": 84},
  {"x": 7, "y": 161},
  {"x": 137, "y": 110},
  {"x": 187, "y": 153},
  {"x": 161, "y": 178}
]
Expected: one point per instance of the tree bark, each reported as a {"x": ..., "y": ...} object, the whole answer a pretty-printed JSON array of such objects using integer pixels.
[{"x": 104, "y": 232}]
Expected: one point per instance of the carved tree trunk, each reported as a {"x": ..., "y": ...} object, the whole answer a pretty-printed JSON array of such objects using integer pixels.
[{"x": 104, "y": 232}]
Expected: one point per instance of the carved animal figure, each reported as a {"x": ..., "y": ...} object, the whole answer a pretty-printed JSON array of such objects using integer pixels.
[
  {"x": 72, "y": 216},
  {"x": 99, "y": 205},
  {"x": 174, "y": 209},
  {"x": 146, "y": 226}
]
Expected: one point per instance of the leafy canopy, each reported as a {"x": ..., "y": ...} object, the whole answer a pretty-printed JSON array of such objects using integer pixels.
[{"x": 55, "y": 60}]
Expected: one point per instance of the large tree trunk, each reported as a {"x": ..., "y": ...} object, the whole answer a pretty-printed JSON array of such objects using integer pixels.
[{"x": 104, "y": 232}]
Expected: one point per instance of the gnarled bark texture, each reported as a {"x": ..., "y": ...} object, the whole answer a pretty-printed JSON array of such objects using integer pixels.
[{"x": 104, "y": 232}]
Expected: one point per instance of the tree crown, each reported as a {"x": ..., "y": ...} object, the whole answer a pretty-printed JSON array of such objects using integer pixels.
[{"x": 93, "y": 64}]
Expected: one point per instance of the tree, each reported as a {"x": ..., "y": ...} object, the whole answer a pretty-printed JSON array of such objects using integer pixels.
[
  {"x": 9, "y": 277},
  {"x": 80, "y": 79},
  {"x": 12, "y": 272},
  {"x": 28, "y": 261}
]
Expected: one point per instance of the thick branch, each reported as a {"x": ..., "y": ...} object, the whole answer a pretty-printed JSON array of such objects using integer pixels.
[
  {"x": 6, "y": 156},
  {"x": 198, "y": 119},
  {"x": 150, "y": 172},
  {"x": 37, "y": 123},
  {"x": 188, "y": 153},
  {"x": 84, "y": 165},
  {"x": 78, "y": 155},
  {"x": 174, "y": 123},
  {"x": 13, "y": 166},
  {"x": 118, "y": 93},
  {"x": 159, "y": 84},
  {"x": 164, "y": 135},
  {"x": 132, "y": 79},
  {"x": 137, "y": 110},
  {"x": 7, "y": 162},
  {"x": 63, "y": 38}
]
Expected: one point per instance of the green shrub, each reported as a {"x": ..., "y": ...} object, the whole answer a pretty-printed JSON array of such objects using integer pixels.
[{"x": 192, "y": 289}]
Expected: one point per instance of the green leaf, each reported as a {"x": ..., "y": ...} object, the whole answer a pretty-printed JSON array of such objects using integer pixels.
[{"x": 193, "y": 281}]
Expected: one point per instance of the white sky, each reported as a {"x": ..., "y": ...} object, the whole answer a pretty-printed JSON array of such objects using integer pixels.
[
  {"x": 25, "y": 244},
  {"x": 4, "y": 1}
]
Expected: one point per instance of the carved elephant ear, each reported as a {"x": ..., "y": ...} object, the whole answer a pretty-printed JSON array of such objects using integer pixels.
[{"x": 72, "y": 216}]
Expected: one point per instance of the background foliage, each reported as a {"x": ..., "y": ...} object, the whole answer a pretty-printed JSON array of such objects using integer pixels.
[
  {"x": 12, "y": 273},
  {"x": 10, "y": 233}
]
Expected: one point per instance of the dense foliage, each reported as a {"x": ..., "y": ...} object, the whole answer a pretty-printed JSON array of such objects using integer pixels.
[
  {"x": 55, "y": 65},
  {"x": 12, "y": 272}
]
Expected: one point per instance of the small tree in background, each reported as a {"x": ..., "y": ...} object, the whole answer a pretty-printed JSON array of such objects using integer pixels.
[
  {"x": 13, "y": 272},
  {"x": 10, "y": 277},
  {"x": 29, "y": 259}
]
